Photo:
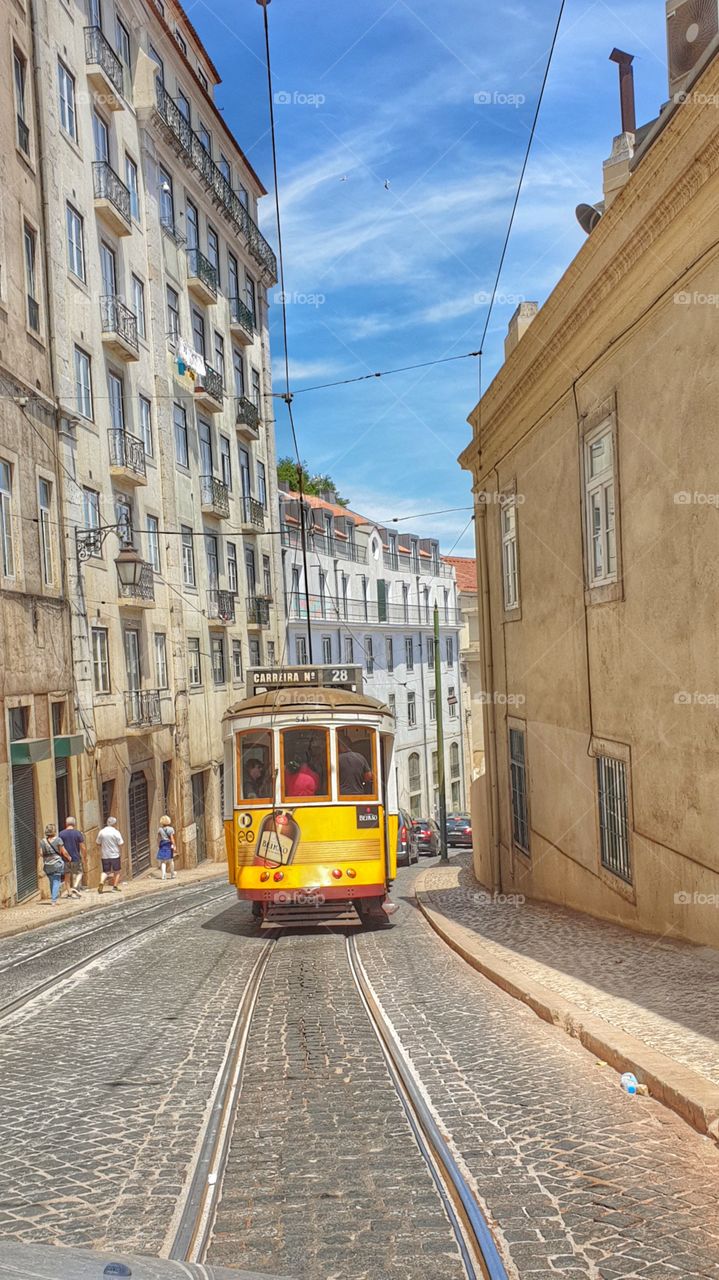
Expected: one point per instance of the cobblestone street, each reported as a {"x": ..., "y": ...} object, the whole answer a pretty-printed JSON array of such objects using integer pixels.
[{"x": 106, "y": 1081}]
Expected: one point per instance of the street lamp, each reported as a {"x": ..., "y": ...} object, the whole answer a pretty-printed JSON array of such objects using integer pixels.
[{"x": 129, "y": 563}]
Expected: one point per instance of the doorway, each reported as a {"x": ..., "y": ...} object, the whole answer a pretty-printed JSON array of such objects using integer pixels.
[
  {"x": 198, "y": 813},
  {"x": 139, "y": 823}
]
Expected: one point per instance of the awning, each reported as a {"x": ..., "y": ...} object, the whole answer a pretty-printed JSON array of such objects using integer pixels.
[
  {"x": 30, "y": 750},
  {"x": 69, "y": 744}
]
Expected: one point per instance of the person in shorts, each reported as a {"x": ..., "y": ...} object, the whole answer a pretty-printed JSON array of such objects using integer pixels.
[
  {"x": 110, "y": 842},
  {"x": 74, "y": 842},
  {"x": 166, "y": 847}
]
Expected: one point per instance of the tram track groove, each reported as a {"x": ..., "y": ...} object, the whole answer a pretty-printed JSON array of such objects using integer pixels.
[{"x": 19, "y": 1002}]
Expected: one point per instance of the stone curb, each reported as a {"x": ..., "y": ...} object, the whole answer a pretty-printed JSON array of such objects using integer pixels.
[
  {"x": 693, "y": 1097},
  {"x": 102, "y": 902}
]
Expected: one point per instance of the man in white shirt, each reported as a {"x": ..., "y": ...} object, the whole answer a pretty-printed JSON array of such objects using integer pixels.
[{"x": 110, "y": 842}]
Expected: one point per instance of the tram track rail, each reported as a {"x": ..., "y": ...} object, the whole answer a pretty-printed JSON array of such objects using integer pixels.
[
  {"x": 192, "y": 1231},
  {"x": 10, "y": 1007}
]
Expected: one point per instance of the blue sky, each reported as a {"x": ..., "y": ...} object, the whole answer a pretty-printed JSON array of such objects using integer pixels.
[{"x": 384, "y": 90}]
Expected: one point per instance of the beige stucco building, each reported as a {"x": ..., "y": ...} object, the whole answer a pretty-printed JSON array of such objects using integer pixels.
[
  {"x": 472, "y": 695},
  {"x": 595, "y": 460},
  {"x": 157, "y": 276}
]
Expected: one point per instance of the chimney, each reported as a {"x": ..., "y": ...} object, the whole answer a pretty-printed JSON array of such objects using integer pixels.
[
  {"x": 616, "y": 168},
  {"x": 518, "y": 325}
]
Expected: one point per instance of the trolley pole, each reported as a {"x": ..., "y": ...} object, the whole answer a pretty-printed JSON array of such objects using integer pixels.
[{"x": 443, "y": 856}]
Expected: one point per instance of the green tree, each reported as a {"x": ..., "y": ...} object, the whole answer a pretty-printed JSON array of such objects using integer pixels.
[{"x": 288, "y": 473}]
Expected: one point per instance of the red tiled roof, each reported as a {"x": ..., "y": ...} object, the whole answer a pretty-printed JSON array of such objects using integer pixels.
[{"x": 465, "y": 570}]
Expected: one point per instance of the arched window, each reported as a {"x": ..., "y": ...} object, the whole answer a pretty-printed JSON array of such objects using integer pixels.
[{"x": 415, "y": 784}]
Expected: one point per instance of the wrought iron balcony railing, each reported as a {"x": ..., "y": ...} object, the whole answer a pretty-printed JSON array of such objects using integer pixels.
[
  {"x": 143, "y": 589},
  {"x": 99, "y": 52},
  {"x": 258, "y": 611},
  {"x": 335, "y": 546},
  {"x": 200, "y": 267},
  {"x": 23, "y": 135},
  {"x": 127, "y": 451},
  {"x": 215, "y": 180},
  {"x": 253, "y": 512},
  {"x": 332, "y": 608},
  {"x": 221, "y": 605},
  {"x": 240, "y": 314},
  {"x": 108, "y": 186},
  {"x": 214, "y": 494},
  {"x": 119, "y": 319},
  {"x": 143, "y": 707},
  {"x": 247, "y": 414},
  {"x": 211, "y": 383},
  {"x": 391, "y": 560}
]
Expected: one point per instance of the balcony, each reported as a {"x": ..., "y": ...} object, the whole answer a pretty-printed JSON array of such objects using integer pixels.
[
  {"x": 242, "y": 322},
  {"x": 209, "y": 391},
  {"x": 167, "y": 117},
  {"x": 127, "y": 457},
  {"x": 119, "y": 328},
  {"x": 141, "y": 594},
  {"x": 220, "y": 605},
  {"x": 258, "y": 611},
  {"x": 143, "y": 708},
  {"x": 247, "y": 419},
  {"x": 252, "y": 515},
  {"x": 112, "y": 198},
  {"x": 391, "y": 560},
  {"x": 332, "y": 609},
  {"x": 214, "y": 497},
  {"x": 105, "y": 72},
  {"x": 201, "y": 277}
]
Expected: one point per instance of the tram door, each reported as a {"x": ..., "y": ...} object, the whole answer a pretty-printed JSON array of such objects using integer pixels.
[
  {"x": 139, "y": 823},
  {"x": 198, "y": 813}
]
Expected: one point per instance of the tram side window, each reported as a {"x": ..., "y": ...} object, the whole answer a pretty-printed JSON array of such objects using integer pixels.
[
  {"x": 305, "y": 755},
  {"x": 255, "y": 769},
  {"x": 357, "y": 772}
]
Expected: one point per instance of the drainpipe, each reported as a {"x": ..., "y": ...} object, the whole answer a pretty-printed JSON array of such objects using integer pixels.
[{"x": 486, "y": 662}]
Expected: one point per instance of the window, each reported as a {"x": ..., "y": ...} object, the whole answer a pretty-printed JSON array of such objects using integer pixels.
[
  {"x": 305, "y": 764},
  {"x": 456, "y": 796},
  {"x": 122, "y": 42},
  {"x": 243, "y": 196},
  {"x": 217, "y": 653},
  {"x": 250, "y": 572},
  {"x": 409, "y": 653},
  {"x": 194, "y": 662},
  {"x": 31, "y": 282},
  {"x": 75, "y": 242},
  {"x": 91, "y": 519},
  {"x": 100, "y": 137},
  {"x": 262, "y": 484},
  {"x": 192, "y": 224},
  {"x": 414, "y": 778},
  {"x": 188, "y": 556},
  {"x": 202, "y": 79},
  {"x": 100, "y": 660},
  {"x": 613, "y": 816},
  {"x": 182, "y": 450},
  {"x": 83, "y": 383},
  {"x": 117, "y": 401},
  {"x": 145, "y": 424},
  {"x": 161, "y": 660},
  {"x": 183, "y": 47},
  {"x": 167, "y": 201},
  {"x": 213, "y": 250},
  {"x": 518, "y": 772},
  {"x": 173, "y": 314},
  {"x": 435, "y": 768},
  {"x": 369, "y": 655},
  {"x": 255, "y": 765},
  {"x": 66, "y": 90},
  {"x": 327, "y": 650},
  {"x": 138, "y": 305},
  {"x": 198, "y": 332},
  {"x": 226, "y": 462},
  {"x": 345, "y": 587},
  {"x": 45, "y": 528},
  {"x": 57, "y": 712},
  {"x": 7, "y": 552},
  {"x": 510, "y": 576},
  {"x": 405, "y": 602},
  {"x": 412, "y": 710},
  {"x": 220, "y": 356},
  {"x": 323, "y": 600},
  {"x": 239, "y": 372},
  {"x": 213, "y": 560},
  {"x": 251, "y": 297},
  {"x": 454, "y": 760},
  {"x": 20, "y": 74},
  {"x": 233, "y": 581},
  {"x": 392, "y": 704},
  {"x": 267, "y": 579},
  {"x": 155, "y": 55},
  {"x": 356, "y": 763},
  {"x": 349, "y": 650},
  {"x": 430, "y": 651},
  {"x": 123, "y": 518},
  {"x": 450, "y": 651},
  {"x": 363, "y": 586},
  {"x": 153, "y": 542},
  {"x": 256, "y": 393},
  {"x": 432, "y": 705},
  {"x": 224, "y": 166},
  {"x": 271, "y": 654},
  {"x": 237, "y": 661},
  {"x": 205, "y": 137},
  {"x": 599, "y": 506},
  {"x": 131, "y": 182},
  {"x": 301, "y": 650},
  {"x": 452, "y": 702}
]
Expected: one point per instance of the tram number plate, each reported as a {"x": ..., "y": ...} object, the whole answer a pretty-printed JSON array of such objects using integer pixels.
[{"x": 367, "y": 815}]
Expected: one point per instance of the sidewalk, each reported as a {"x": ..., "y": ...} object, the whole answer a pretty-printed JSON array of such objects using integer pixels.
[
  {"x": 640, "y": 1003},
  {"x": 35, "y": 914}
]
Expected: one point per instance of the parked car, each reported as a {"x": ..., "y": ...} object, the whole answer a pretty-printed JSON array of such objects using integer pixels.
[
  {"x": 407, "y": 846},
  {"x": 459, "y": 831},
  {"x": 427, "y": 833}
]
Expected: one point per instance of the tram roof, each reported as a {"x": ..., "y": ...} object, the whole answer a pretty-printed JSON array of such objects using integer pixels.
[{"x": 322, "y": 699}]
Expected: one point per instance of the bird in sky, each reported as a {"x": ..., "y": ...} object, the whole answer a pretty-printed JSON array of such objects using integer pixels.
[{"x": 386, "y": 184}]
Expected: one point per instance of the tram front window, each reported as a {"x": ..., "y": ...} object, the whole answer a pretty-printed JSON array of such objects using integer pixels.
[
  {"x": 357, "y": 774},
  {"x": 305, "y": 754},
  {"x": 255, "y": 771}
]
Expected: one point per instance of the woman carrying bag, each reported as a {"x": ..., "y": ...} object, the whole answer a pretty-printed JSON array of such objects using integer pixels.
[
  {"x": 54, "y": 861},
  {"x": 166, "y": 848}
]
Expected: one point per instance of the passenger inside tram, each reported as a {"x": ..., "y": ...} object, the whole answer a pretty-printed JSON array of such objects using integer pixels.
[{"x": 306, "y": 772}]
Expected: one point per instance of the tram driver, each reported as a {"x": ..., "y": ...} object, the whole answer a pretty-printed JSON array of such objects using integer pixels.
[{"x": 355, "y": 771}]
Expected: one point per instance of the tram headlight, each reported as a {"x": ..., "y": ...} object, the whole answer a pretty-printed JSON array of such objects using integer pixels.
[
  {"x": 350, "y": 873},
  {"x": 279, "y": 875},
  {"x": 264, "y": 875},
  {"x": 337, "y": 873}
]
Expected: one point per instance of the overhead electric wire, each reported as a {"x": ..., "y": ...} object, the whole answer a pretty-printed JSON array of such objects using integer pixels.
[{"x": 384, "y": 373}]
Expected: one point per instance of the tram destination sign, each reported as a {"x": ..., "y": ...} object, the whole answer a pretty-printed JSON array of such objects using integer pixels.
[{"x": 262, "y": 679}]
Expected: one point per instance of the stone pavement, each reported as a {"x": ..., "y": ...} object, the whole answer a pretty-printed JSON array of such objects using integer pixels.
[
  {"x": 37, "y": 914},
  {"x": 645, "y": 1003}
]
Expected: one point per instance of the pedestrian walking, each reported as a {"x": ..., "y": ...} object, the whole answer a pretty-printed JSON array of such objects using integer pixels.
[
  {"x": 166, "y": 847},
  {"x": 54, "y": 859},
  {"x": 74, "y": 842},
  {"x": 110, "y": 842}
]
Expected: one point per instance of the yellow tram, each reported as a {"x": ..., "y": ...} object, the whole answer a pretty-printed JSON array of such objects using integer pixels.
[{"x": 310, "y": 803}]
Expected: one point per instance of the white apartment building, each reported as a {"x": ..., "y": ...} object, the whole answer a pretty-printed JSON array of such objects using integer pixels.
[
  {"x": 372, "y": 592},
  {"x": 158, "y": 280}
]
